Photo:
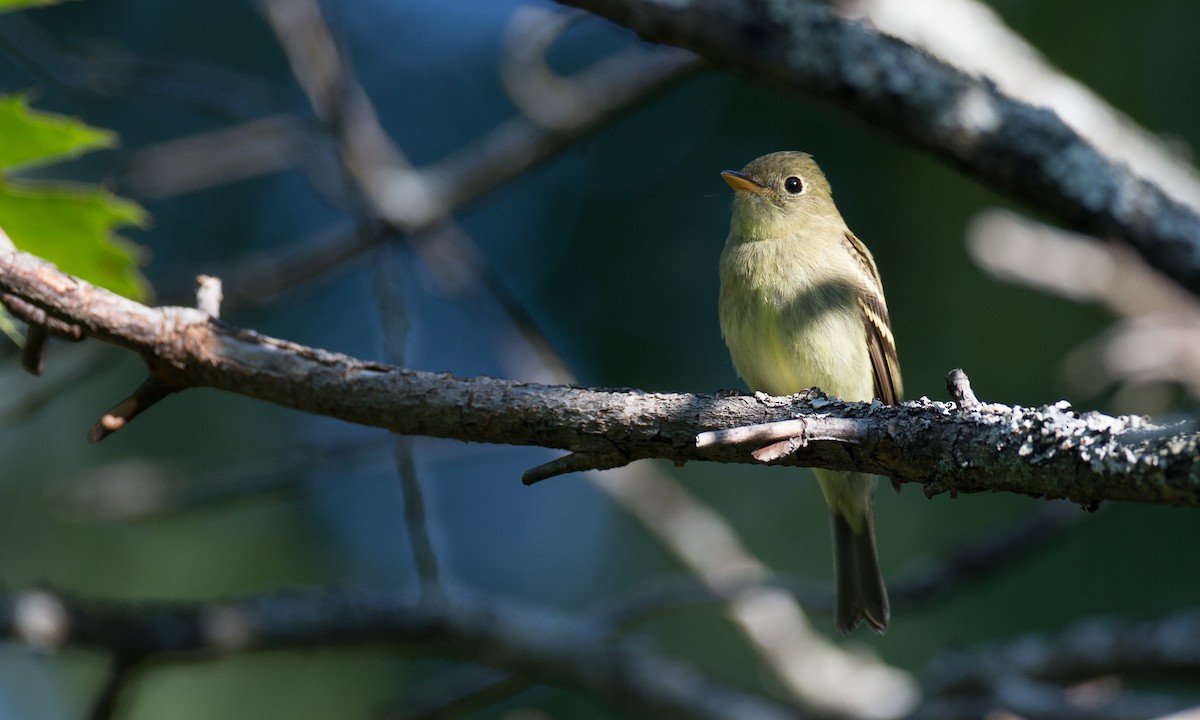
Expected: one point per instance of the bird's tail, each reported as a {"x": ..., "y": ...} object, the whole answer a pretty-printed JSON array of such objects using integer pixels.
[{"x": 861, "y": 595}]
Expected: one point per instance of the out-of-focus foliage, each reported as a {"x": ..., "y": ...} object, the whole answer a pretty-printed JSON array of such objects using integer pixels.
[
  {"x": 39, "y": 138},
  {"x": 71, "y": 224},
  {"x": 8, "y": 5}
]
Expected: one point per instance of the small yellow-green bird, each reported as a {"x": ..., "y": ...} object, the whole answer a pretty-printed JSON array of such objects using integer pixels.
[{"x": 802, "y": 306}]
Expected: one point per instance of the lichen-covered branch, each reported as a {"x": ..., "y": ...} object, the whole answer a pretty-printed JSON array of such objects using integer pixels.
[
  {"x": 1049, "y": 451},
  {"x": 1022, "y": 151}
]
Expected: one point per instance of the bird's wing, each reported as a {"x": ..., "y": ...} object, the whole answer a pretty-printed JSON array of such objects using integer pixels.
[{"x": 880, "y": 343}]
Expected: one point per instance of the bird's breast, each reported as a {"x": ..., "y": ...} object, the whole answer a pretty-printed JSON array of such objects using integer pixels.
[{"x": 791, "y": 319}]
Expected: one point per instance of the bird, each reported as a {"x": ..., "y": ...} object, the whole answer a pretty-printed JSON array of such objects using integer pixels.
[{"x": 802, "y": 306}]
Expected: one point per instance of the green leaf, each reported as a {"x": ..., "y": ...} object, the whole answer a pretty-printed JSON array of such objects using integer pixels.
[
  {"x": 73, "y": 226},
  {"x": 6, "y": 5},
  {"x": 34, "y": 138},
  {"x": 70, "y": 225}
]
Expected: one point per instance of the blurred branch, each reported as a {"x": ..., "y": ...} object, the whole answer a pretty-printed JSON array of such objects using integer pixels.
[
  {"x": 1049, "y": 452},
  {"x": 825, "y": 677},
  {"x": 1104, "y": 698},
  {"x": 519, "y": 639},
  {"x": 467, "y": 690},
  {"x": 107, "y": 704},
  {"x": 972, "y": 37},
  {"x": 1027, "y": 676},
  {"x": 983, "y": 555},
  {"x": 140, "y": 488},
  {"x": 1017, "y": 249},
  {"x": 175, "y": 167},
  {"x": 419, "y": 202},
  {"x": 1153, "y": 348},
  {"x": 1155, "y": 338},
  {"x": 1078, "y": 673},
  {"x": 88, "y": 73},
  {"x": 393, "y": 320},
  {"x": 1022, "y": 151},
  {"x": 411, "y": 200}
]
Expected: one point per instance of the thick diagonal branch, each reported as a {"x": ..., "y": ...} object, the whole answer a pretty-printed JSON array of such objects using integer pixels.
[{"x": 1022, "y": 151}]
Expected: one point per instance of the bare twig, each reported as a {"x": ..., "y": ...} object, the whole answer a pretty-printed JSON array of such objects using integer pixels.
[
  {"x": 39, "y": 329},
  {"x": 152, "y": 391},
  {"x": 419, "y": 203},
  {"x": 209, "y": 295},
  {"x": 574, "y": 462},
  {"x": 33, "y": 352},
  {"x": 416, "y": 520},
  {"x": 803, "y": 430},
  {"x": 958, "y": 385},
  {"x": 788, "y": 436},
  {"x": 34, "y": 316}
]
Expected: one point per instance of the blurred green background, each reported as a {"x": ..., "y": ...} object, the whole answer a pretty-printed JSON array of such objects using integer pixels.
[{"x": 612, "y": 247}]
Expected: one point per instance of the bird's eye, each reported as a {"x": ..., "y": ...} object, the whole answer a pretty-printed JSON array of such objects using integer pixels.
[{"x": 793, "y": 185}]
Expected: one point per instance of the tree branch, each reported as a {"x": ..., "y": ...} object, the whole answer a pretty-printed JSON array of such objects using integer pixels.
[
  {"x": 1077, "y": 673},
  {"x": 1049, "y": 451},
  {"x": 1027, "y": 676},
  {"x": 521, "y": 640},
  {"x": 983, "y": 556},
  {"x": 1022, "y": 151}
]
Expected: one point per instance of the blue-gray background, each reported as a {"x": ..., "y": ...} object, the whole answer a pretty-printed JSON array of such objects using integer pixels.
[{"x": 612, "y": 247}]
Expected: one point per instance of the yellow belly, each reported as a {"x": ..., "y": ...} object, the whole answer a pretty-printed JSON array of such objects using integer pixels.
[{"x": 797, "y": 331}]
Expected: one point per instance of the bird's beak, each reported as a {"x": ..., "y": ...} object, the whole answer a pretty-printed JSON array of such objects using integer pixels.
[{"x": 741, "y": 181}]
